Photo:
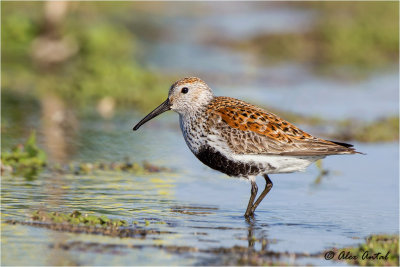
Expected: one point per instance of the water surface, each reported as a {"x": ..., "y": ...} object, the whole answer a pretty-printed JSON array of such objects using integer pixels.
[{"x": 201, "y": 207}]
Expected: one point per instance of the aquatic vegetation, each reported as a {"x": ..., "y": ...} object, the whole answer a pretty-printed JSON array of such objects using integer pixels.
[
  {"x": 362, "y": 36},
  {"x": 127, "y": 166},
  {"x": 381, "y": 130},
  {"x": 24, "y": 159},
  {"x": 256, "y": 253},
  {"x": 77, "y": 222},
  {"x": 28, "y": 160},
  {"x": 31, "y": 167},
  {"x": 377, "y": 250},
  {"x": 100, "y": 56},
  {"x": 236, "y": 255},
  {"x": 77, "y": 218}
]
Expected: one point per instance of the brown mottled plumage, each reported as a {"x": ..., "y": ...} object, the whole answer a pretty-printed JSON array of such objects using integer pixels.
[
  {"x": 266, "y": 133},
  {"x": 240, "y": 139},
  {"x": 187, "y": 80}
]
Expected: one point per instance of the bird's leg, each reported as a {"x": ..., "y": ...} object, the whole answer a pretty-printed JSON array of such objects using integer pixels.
[
  {"x": 254, "y": 190},
  {"x": 267, "y": 188},
  {"x": 250, "y": 237}
]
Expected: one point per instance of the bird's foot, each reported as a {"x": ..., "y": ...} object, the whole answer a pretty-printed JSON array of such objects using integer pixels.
[{"x": 249, "y": 214}]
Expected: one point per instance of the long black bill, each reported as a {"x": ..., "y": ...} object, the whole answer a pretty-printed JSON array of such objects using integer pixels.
[{"x": 165, "y": 106}]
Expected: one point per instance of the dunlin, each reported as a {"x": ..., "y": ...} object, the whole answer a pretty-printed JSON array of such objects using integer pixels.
[{"x": 240, "y": 139}]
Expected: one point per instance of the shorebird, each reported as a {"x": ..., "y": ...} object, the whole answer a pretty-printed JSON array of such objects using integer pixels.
[{"x": 240, "y": 139}]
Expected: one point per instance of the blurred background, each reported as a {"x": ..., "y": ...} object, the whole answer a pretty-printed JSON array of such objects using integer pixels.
[
  {"x": 81, "y": 74},
  {"x": 326, "y": 61}
]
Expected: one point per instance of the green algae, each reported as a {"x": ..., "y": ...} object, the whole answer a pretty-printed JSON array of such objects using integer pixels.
[
  {"x": 361, "y": 36},
  {"x": 77, "y": 218},
  {"x": 35, "y": 166},
  {"x": 24, "y": 159},
  {"x": 236, "y": 255},
  {"x": 103, "y": 59},
  {"x": 379, "y": 130},
  {"x": 84, "y": 168},
  {"x": 82, "y": 223},
  {"x": 28, "y": 160},
  {"x": 377, "y": 250}
]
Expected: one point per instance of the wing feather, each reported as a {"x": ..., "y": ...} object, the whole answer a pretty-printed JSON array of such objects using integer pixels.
[{"x": 248, "y": 129}]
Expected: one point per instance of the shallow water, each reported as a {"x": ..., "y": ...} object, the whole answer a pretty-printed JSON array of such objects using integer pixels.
[{"x": 201, "y": 208}]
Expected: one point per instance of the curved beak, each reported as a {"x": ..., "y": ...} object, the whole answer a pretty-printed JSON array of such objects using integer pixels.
[{"x": 165, "y": 106}]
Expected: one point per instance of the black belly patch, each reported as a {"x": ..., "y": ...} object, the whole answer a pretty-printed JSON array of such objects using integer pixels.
[{"x": 219, "y": 162}]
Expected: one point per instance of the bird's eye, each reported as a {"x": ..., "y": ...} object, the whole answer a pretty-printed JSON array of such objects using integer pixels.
[{"x": 185, "y": 90}]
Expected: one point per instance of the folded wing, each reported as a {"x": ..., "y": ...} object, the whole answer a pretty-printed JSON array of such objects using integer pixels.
[{"x": 248, "y": 129}]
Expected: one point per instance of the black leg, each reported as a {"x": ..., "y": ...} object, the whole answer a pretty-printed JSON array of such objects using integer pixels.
[
  {"x": 254, "y": 190},
  {"x": 267, "y": 188}
]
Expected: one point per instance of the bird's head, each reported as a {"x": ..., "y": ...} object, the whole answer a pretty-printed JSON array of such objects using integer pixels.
[
  {"x": 185, "y": 96},
  {"x": 189, "y": 94}
]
